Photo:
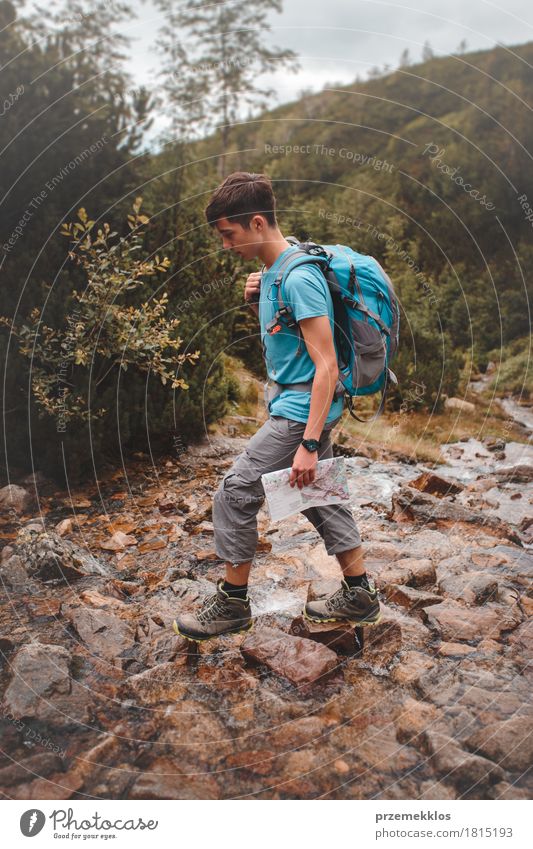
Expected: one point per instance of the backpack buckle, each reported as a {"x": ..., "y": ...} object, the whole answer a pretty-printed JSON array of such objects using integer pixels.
[
  {"x": 286, "y": 311},
  {"x": 273, "y": 326}
]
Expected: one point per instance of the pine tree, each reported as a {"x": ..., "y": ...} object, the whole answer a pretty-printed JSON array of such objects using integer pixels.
[
  {"x": 213, "y": 54},
  {"x": 427, "y": 52}
]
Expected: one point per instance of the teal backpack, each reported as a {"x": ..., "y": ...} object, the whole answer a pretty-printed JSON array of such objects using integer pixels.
[{"x": 366, "y": 312}]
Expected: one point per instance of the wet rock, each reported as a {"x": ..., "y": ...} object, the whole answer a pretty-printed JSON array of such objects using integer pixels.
[
  {"x": 299, "y": 660},
  {"x": 49, "y": 557},
  {"x": 256, "y": 761},
  {"x": 410, "y": 667},
  {"x": 407, "y": 570},
  {"x": 455, "y": 650},
  {"x": 472, "y": 587},
  {"x": 383, "y": 641},
  {"x": 454, "y": 622},
  {"x": 41, "y": 686},
  {"x": 521, "y": 643},
  {"x": 435, "y": 485},
  {"x": 421, "y": 505},
  {"x": 56, "y": 786},
  {"x": 161, "y": 683},
  {"x": 164, "y": 780},
  {"x": 464, "y": 770},
  {"x": 510, "y": 743},
  {"x": 432, "y": 544},
  {"x": 340, "y": 638},
  {"x": 15, "y": 498},
  {"x": 298, "y": 732},
  {"x": 37, "y": 766},
  {"x": 493, "y": 443},
  {"x": 101, "y": 631},
  {"x": 521, "y": 473},
  {"x": 410, "y": 598},
  {"x": 504, "y": 790},
  {"x": 413, "y": 720}
]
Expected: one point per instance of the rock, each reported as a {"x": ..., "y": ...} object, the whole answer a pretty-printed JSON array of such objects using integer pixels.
[
  {"x": 118, "y": 541},
  {"x": 455, "y": 650},
  {"x": 459, "y": 404},
  {"x": 510, "y": 743},
  {"x": 414, "y": 719},
  {"x": 13, "y": 572},
  {"x": 504, "y": 790},
  {"x": 435, "y": 485},
  {"x": 493, "y": 443},
  {"x": 41, "y": 686},
  {"x": 521, "y": 473},
  {"x": 470, "y": 587},
  {"x": 454, "y": 622},
  {"x": 256, "y": 761},
  {"x": 382, "y": 641},
  {"x": 410, "y": 598},
  {"x": 15, "y": 498},
  {"x": 65, "y": 526},
  {"x": 160, "y": 684},
  {"x": 464, "y": 770},
  {"x": 103, "y": 633},
  {"x": 340, "y": 638},
  {"x": 299, "y": 660},
  {"x": 379, "y": 552},
  {"x": 521, "y": 643},
  {"x": 49, "y": 557},
  {"x": 411, "y": 665},
  {"x": 163, "y": 780},
  {"x": 56, "y": 786},
  {"x": 421, "y": 505},
  {"x": 37, "y": 766},
  {"x": 408, "y": 570}
]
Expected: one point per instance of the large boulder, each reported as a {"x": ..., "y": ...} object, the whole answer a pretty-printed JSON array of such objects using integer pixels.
[
  {"x": 42, "y": 688},
  {"x": 509, "y": 743},
  {"x": 15, "y": 498},
  {"x": 49, "y": 557},
  {"x": 299, "y": 660}
]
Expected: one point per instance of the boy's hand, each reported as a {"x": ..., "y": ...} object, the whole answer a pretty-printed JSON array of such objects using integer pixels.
[
  {"x": 252, "y": 287},
  {"x": 303, "y": 467}
]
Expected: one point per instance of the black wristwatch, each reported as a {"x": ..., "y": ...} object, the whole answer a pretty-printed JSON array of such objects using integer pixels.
[{"x": 311, "y": 444}]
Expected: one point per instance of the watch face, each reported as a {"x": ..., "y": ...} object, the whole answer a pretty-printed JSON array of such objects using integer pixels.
[{"x": 310, "y": 444}]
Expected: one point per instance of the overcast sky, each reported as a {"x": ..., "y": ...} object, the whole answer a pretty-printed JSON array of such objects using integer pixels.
[{"x": 340, "y": 39}]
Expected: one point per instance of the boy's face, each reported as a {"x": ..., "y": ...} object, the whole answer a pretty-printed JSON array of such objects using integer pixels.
[{"x": 236, "y": 238}]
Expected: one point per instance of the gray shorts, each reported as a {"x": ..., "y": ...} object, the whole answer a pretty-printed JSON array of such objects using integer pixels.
[{"x": 241, "y": 494}]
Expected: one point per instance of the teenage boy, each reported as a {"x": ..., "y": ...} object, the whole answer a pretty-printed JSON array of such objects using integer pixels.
[{"x": 302, "y": 413}]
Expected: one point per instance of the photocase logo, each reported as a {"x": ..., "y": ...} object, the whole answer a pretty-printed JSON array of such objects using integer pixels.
[{"x": 32, "y": 822}]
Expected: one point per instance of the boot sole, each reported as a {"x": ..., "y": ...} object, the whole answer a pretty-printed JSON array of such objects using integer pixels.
[
  {"x": 361, "y": 622},
  {"x": 191, "y": 639}
]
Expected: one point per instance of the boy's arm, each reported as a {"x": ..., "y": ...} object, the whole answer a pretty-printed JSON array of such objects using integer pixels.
[{"x": 319, "y": 341}]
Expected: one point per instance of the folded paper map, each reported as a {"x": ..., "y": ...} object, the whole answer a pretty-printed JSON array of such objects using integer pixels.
[{"x": 329, "y": 487}]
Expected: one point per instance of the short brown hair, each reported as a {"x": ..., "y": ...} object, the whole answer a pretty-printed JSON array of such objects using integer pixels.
[{"x": 241, "y": 196}]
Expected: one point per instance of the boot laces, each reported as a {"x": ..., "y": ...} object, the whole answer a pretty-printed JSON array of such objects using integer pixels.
[
  {"x": 338, "y": 599},
  {"x": 213, "y": 606}
]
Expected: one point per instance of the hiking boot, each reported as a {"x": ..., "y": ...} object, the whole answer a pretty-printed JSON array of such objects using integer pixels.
[
  {"x": 355, "y": 605},
  {"x": 219, "y": 614}
]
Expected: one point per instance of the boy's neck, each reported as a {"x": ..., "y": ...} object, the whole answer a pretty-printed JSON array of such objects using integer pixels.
[{"x": 272, "y": 248}]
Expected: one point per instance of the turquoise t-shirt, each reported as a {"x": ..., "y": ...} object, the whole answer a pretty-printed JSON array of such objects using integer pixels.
[{"x": 305, "y": 290}]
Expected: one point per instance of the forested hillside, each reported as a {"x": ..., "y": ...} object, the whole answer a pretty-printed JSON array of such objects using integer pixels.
[{"x": 427, "y": 168}]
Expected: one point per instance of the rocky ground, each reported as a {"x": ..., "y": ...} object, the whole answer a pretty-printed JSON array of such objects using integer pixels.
[{"x": 101, "y": 700}]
